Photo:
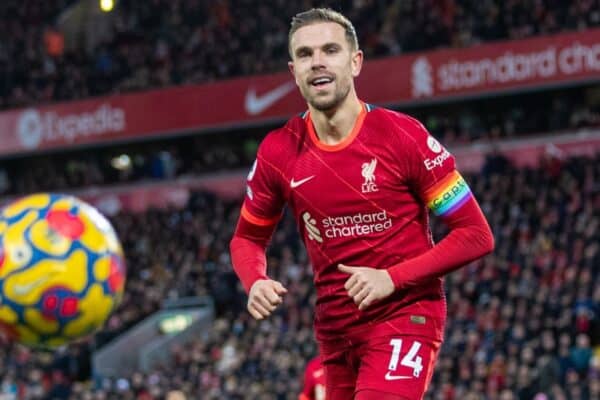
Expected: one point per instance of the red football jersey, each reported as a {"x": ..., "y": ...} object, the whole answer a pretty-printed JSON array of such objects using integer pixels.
[
  {"x": 362, "y": 202},
  {"x": 314, "y": 381}
]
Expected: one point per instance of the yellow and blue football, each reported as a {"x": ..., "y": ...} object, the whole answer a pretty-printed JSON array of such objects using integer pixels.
[{"x": 62, "y": 270}]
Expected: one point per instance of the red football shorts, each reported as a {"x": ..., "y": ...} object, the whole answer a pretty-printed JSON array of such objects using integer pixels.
[{"x": 394, "y": 357}]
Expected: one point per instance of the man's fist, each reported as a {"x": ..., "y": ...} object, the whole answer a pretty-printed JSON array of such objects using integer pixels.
[
  {"x": 264, "y": 296},
  {"x": 367, "y": 285}
]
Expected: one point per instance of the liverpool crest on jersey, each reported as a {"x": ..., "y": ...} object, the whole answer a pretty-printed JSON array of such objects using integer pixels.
[{"x": 368, "y": 173}]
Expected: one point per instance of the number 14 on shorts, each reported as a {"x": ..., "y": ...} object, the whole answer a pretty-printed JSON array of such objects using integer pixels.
[{"x": 411, "y": 360}]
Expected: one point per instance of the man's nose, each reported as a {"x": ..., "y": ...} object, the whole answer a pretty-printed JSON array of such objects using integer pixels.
[{"x": 317, "y": 60}]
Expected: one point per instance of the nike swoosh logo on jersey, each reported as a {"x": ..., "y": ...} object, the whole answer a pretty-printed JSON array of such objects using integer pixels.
[
  {"x": 256, "y": 104},
  {"x": 294, "y": 184},
  {"x": 390, "y": 377}
]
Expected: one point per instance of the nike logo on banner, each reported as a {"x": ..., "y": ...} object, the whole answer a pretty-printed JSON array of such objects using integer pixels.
[
  {"x": 390, "y": 377},
  {"x": 256, "y": 104},
  {"x": 294, "y": 184}
]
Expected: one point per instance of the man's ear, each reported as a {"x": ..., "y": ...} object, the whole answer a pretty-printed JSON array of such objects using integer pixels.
[
  {"x": 357, "y": 62},
  {"x": 291, "y": 68}
]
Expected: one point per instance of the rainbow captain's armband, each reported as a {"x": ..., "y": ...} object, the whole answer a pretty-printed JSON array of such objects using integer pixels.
[{"x": 448, "y": 195}]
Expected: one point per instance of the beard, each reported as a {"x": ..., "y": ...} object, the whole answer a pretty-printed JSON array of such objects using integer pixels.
[{"x": 326, "y": 103}]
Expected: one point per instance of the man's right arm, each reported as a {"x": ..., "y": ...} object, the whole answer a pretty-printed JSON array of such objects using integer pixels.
[
  {"x": 259, "y": 216},
  {"x": 247, "y": 249},
  {"x": 248, "y": 246}
]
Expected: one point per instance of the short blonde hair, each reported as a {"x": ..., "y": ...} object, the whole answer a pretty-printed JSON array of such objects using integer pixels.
[{"x": 315, "y": 15}]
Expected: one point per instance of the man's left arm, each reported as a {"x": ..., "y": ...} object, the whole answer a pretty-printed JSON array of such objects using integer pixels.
[
  {"x": 432, "y": 171},
  {"x": 436, "y": 180},
  {"x": 468, "y": 239}
]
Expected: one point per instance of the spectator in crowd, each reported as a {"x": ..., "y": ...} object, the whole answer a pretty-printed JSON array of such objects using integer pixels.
[{"x": 172, "y": 42}]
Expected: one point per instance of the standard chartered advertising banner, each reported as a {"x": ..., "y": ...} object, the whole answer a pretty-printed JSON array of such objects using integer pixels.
[
  {"x": 502, "y": 66},
  {"x": 426, "y": 76}
]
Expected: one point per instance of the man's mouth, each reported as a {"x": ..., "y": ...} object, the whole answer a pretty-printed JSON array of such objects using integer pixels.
[{"x": 321, "y": 81}]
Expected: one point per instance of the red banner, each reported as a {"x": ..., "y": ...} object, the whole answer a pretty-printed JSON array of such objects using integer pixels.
[
  {"x": 162, "y": 195},
  {"x": 528, "y": 152},
  {"x": 470, "y": 159},
  {"x": 398, "y": 80}
]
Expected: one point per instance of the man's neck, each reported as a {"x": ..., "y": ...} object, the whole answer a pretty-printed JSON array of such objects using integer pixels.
[{"x": 333, "y": 127}]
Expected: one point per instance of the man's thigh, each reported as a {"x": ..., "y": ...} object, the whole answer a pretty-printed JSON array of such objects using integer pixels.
[
  {"x": 393, "y": 366},
  {"x": 397, "y": 364},
  {"x": 340, "y": 380},
  {"x": 395, "y": 357},
  {"x": 341, "y": 367}
]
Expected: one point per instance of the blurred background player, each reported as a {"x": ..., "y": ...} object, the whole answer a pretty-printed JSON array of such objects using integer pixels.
[
  {"x": 314, "y": 381},
  {"x": 359, "y": 181}
]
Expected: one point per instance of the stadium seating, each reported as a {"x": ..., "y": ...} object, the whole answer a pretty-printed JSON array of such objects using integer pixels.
[
  {"x": 163, "y": 43},
  {"x": 524, "y": 322}
]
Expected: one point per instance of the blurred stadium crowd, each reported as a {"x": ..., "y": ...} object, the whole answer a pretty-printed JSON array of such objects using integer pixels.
[
  {"x": 524, "y": 323},
  {"x": 169, "y": 42}
]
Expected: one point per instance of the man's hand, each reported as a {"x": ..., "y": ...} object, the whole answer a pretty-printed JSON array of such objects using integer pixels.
[
  {"x": 264, "y": 297},
  {"x": 367, "y": 285}
]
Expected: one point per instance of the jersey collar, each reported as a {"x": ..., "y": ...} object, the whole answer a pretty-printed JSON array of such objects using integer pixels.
[{"x": 347, "y": 140}]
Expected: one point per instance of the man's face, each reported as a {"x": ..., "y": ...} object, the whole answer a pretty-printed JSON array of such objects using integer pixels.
[{"x": 324, "y": 64}]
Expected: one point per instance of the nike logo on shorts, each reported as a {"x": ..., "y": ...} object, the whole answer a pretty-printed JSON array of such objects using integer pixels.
[{"x": 390, "y": 377}]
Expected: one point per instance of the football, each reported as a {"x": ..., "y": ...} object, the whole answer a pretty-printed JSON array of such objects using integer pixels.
[{"x": 62, "y": 270}]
